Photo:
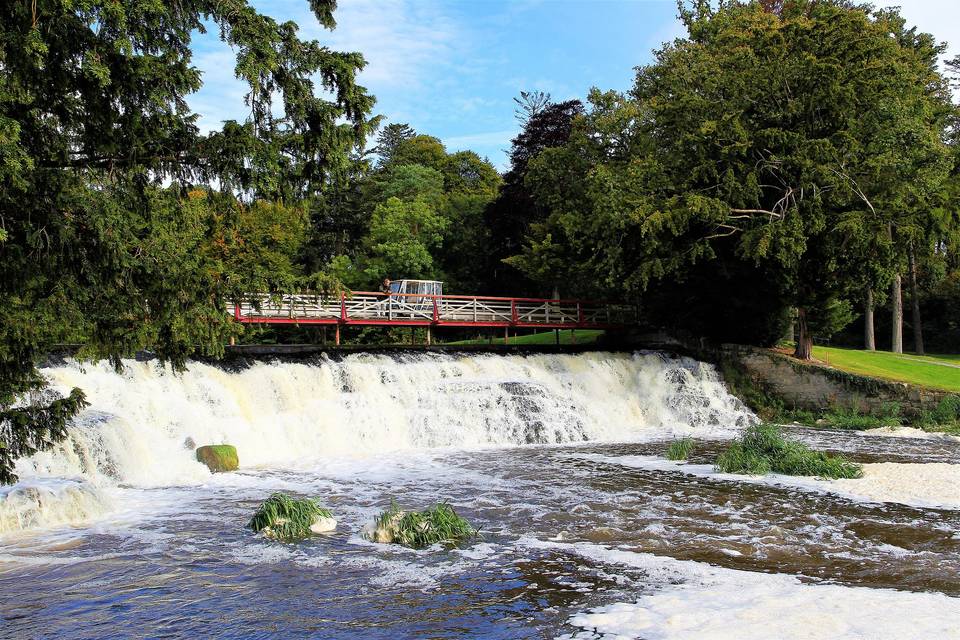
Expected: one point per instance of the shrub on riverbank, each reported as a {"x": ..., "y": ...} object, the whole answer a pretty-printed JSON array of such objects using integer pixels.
[
  {"x": 855, "y": 420},
  {"x": 286, "y": 518},
  {"x": 418, "y": 529},
  {"x": 764, "y": 449},
  {"x": 680, "y": 449}
]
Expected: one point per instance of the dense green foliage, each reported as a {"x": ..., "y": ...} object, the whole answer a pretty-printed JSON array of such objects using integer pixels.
[
  {"x": 439, "y": 524},
  {"x": 36, "y": 426},
  {"x": 804, "y": 144},
  {"x": 763, "y": 449},
  {"x": 418, "y": 214},
  {"x": 286, "y": 518}
]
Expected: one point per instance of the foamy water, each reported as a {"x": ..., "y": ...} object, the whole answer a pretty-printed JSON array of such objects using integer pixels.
[
  {"x": 143, "y": 420},
  {"x": 931, "y": 484},
  {"x": 558, "y": 459},
  {"x": 721, "y": 604}
]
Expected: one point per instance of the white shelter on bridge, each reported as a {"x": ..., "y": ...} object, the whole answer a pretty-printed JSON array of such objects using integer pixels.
[
  {"x": 423, "y": 287},
  {"x": 412, "y": 290}
]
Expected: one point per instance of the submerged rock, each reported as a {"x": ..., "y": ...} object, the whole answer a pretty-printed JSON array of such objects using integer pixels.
[
  {"x": 383, "y": 531},
  {"x": 218, "y": 457}
]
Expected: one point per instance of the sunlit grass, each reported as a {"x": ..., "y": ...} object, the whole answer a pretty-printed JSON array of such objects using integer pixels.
[
  {"x": 582, "y": 336},
  {"x": 926, "y": 371}
]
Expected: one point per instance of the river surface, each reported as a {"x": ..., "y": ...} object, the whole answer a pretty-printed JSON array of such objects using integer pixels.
[{"x": 586, "y": 532}]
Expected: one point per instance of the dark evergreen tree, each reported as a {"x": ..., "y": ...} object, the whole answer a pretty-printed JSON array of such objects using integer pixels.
[
  {"x": 93, "y": 120},
  {"x": 511, "y": 215}
]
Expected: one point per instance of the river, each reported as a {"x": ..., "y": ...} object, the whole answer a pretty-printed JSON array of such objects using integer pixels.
[{"x": 586, "y": 530}]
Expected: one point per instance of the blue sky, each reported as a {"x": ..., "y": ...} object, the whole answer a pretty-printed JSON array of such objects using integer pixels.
[{"x": 450, "y": 68}]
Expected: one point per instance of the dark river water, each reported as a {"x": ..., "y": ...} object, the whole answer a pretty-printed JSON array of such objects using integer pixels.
[{"x": 565, "y": 530}]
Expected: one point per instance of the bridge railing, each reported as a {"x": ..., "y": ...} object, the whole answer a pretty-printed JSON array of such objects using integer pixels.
[{"x": 363, "y": 307}]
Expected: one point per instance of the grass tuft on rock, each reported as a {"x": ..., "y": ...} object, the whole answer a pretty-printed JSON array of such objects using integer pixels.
[
  {"x": 764, "y": 449},
  {"x": 286, "y": 518},
  {"x": 418, "y": 529},
  {"x": 680, "y": 449}
]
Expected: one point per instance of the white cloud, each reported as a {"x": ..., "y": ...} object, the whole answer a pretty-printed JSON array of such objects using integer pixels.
[
  {"x": 401, "y": 40},
  {"x": 488, "y": 139}
]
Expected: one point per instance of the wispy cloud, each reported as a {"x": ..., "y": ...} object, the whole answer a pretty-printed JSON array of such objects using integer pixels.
[
  {"x": 402, "y": 40},
  {"x": 487, "y": 139}
]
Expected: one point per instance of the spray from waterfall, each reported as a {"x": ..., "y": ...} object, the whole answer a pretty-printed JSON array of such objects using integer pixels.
[{"x": 142, "y": 421}]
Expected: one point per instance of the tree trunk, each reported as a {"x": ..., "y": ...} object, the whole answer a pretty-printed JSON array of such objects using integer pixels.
[
  {"x": 804, "y": 350},
  {"x": 869, "y": 337},
  {"x": 896, "y": 302},
  {"x": 915, "y": 303}
]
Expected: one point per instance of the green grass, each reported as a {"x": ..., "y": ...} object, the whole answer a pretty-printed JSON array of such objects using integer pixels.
[
  {"x": 286, "y": 518},
  {"x": 680, "y": 449},
  {"x": 763, "y": 449},
  {"x": 919, "y": 370},
  {"x": 584, "y": 336},
  {"x": 418, "y": 529}
]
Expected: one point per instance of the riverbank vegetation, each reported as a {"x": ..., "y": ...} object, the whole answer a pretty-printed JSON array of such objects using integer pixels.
[
  {"x": 764, "y": 449},
  {"x": 810, "y": 196}
]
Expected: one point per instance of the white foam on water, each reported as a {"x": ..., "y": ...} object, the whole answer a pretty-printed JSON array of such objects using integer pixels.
[
  {"x": 291, "y": 415},
  {"x": 926, "y": 485},
  {"x": 689, "y": 599},
  {"x": 908, "y": 432}
]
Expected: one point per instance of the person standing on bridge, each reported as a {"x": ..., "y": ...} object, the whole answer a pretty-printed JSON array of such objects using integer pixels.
[{"x": 385, "y": 287}]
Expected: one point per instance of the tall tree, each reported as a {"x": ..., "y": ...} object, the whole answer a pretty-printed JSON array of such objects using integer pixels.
[
  {"x": 94, "y": 117},
  {"x": 511, "y": 215},
  {"x": 390, "y": 139},
  {"x": 798, "y": 134}
]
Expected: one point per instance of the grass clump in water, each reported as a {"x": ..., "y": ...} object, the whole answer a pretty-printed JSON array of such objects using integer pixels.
[
  {"x": 764, "y": 449},
  {"x": 418, "y": 529},
  {"x": 680, "y": 449},
  {"x": 286, "y": 518}
]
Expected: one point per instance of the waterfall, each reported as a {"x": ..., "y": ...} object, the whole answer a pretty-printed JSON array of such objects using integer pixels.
[{"x": 142, "y": 421}]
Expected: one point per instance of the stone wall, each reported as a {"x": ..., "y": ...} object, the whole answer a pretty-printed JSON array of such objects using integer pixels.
[{"x": 813, "y": 386}]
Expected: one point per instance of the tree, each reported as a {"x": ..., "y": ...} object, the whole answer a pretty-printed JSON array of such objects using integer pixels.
[
  {"x": 93, "y": 118},
  {"x": 390, "y": 139},
  {"x": 511, "y": 216},
  {"x": 402, "y": 237},
  {"x": 530, "y": 104},
  {"x": 799, "y": 134}
]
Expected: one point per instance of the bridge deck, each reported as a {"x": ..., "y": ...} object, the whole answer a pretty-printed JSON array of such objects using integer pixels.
[{"x": 398, "y": 309}]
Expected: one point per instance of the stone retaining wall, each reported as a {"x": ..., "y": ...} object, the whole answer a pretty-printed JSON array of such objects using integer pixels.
[{"x": 813, "y": 386}]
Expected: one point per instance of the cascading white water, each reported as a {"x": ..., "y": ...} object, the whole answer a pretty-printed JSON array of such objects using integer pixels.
[{"x": 280, "y": 413}]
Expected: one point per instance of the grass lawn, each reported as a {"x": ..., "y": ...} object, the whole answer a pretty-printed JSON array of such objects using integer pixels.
[
  {"x": 920, "y": 370},
  {"x": 584, "y": 336}
]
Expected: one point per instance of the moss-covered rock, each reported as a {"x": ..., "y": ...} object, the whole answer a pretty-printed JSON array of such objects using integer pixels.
[{"x": 218, "y": 457}]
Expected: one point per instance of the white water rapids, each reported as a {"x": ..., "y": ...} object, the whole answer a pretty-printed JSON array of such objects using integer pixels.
[
  {"x": 283, "y": 414},
  {"x": 587, "y": 531}
]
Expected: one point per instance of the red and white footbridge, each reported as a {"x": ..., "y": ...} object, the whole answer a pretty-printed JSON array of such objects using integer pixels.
[{"x": 363, "y": 308}]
